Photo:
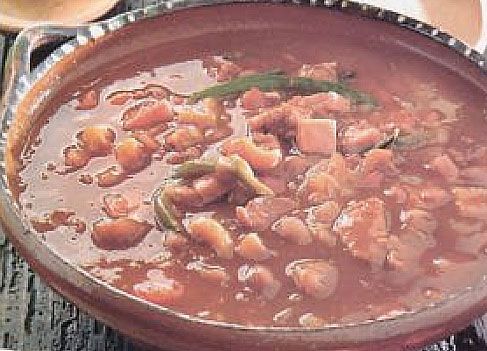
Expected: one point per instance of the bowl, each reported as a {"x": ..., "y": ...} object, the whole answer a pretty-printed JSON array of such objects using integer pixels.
[{"x": 91, "y": 48}]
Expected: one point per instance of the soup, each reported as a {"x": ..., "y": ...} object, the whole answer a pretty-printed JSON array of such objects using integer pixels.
[{"x": 281, "y": 181}]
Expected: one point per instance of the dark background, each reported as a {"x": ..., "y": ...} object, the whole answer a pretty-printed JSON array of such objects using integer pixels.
[{"x": 35, "y": 318}]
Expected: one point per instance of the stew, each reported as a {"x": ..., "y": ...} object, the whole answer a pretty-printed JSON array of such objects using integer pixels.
[{"x": 271, "y": 185}]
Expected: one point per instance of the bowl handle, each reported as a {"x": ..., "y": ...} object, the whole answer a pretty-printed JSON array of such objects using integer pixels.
[{"x": 18, "y": 75}]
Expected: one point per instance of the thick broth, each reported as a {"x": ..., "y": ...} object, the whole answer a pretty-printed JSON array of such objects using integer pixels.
[{"x": 412, "y": 95}]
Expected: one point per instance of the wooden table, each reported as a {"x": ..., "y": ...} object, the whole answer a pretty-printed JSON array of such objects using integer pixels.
[{"x": 35, "y": 318}]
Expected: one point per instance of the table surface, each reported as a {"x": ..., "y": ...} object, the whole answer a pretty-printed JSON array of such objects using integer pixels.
[{"x": 35, "y": 318}]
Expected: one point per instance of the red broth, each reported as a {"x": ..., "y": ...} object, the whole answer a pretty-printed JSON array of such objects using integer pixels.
[{"x": 385, "y": 213}]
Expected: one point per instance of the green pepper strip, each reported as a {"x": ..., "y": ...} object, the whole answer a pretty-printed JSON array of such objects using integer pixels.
[
  {"x": 272, "y": 81},
  {"x": 195, "y": 168},
  {"x": 233, "y": 164},
  {"x": 165, "y": 210},
  {"x": 245, "y": 174}
]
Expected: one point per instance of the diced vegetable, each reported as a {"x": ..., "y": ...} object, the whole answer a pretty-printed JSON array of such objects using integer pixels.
[{"x": 317, "y": 136}]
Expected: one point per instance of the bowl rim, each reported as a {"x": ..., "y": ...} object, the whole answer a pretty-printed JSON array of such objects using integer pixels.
[{"x": 24, "y": 81}]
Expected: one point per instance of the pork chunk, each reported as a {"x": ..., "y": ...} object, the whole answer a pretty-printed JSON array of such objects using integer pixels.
[
  {"x": 320, "y": 71},
  {"x": 261, "y": 212},
  {"x": 253, "y": 248},
  {"x": 317, "y": 278},
  {"x": 120, "y": 233},
  {"x": 293, "y": 229},
  {"x": 261, "y": 279},
  {"x": 362, "y": 229},
  {"x": 213, "y": 234},
  {"x": 471, "y": 202}
]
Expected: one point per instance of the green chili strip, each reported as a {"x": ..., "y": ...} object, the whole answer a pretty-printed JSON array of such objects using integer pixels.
[
  {"x": 165, "y": 210},
  {"x": 273, "y": 81},
  {"x": 245, "y": 174},
  {"x": 195, "y": 168},
  {"x": 233, "y": 164}
]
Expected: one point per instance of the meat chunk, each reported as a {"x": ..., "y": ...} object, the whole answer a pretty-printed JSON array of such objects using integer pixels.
[
  {"x": 120, "y": 233},
  {"x": 146, "y": 115},
  {"x": 226, "y": 69},
  {"x": 75, "y": 157},
  {"x": 418, "y": 220},
  {"x": 471, "y": 202},
  {"x": 474, "y": 176},
  {"x": 327, "y": 180},
  {"x": 362, "y": 229},
  {"x": 377, "y": 160},
  {"x": 213, "y": 234},
  {"x": 293, "y": 229},
  {"x": 317, "y": 278},
  {"x": 261, "y": 279},
  {"x": 281, "y": 119},
  {"x": 97, "y": 140},
  {"x": 211, "y": 187},
  {"x": 406, "y": 249},
  {"x": 255, "y": 98},
  {"x": 132, "y": 155},
  {"x": 320, "y": 71},
  {"x": 446, "y": 167},
  {"x": 320, "y": 220},
  {"x": 184, "y": 137},
  {"x": 163, "y": 291},
  {"x": 256, "y": 154},
  {"x": 429, "y": 197},
  {"x": 251, "y": 247},
  {"x": 261, "y": 212},
  {"x": 322, "y": 103},
  {"x": 359, "y": 139},
  {"x": 317, "y": 136}
]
